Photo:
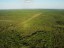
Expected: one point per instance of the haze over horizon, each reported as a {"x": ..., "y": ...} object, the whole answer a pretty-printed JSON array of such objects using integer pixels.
[{"x": 31, "y": 4}]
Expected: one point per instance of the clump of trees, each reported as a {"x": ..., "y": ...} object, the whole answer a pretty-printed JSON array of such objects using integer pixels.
[{"x": 39, "y": 39}]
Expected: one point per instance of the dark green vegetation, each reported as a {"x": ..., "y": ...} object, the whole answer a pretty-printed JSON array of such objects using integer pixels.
[{"x": 31, "y": 28}]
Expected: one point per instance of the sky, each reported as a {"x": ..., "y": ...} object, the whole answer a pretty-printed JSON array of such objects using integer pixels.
[{"x": 31, "y": 4}]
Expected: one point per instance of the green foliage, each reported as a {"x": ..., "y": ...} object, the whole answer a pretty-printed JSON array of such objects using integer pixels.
[
  {"x": 44, "y": 31},
  {"x": 10, "y": 39}
]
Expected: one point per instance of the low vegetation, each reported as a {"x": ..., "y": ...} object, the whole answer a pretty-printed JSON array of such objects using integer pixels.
[{"x": 43, "y": 31}]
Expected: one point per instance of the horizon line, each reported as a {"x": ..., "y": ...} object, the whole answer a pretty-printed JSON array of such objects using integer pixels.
[{"x": 32, "y": 8}]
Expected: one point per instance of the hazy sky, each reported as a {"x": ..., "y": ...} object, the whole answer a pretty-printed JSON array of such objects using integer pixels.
[{"x": 27, "y": 4}]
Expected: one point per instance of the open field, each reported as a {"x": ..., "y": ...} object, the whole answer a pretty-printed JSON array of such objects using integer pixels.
[{"x": 43, "y": 28}]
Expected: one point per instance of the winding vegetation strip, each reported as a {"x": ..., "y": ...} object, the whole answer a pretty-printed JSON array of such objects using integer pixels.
[
  {"x": 29, "y": 19},
  {"x": 36, "y": 15}
]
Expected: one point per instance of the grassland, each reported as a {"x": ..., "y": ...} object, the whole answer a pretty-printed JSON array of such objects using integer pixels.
[{"x": 32, "y": 28}]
